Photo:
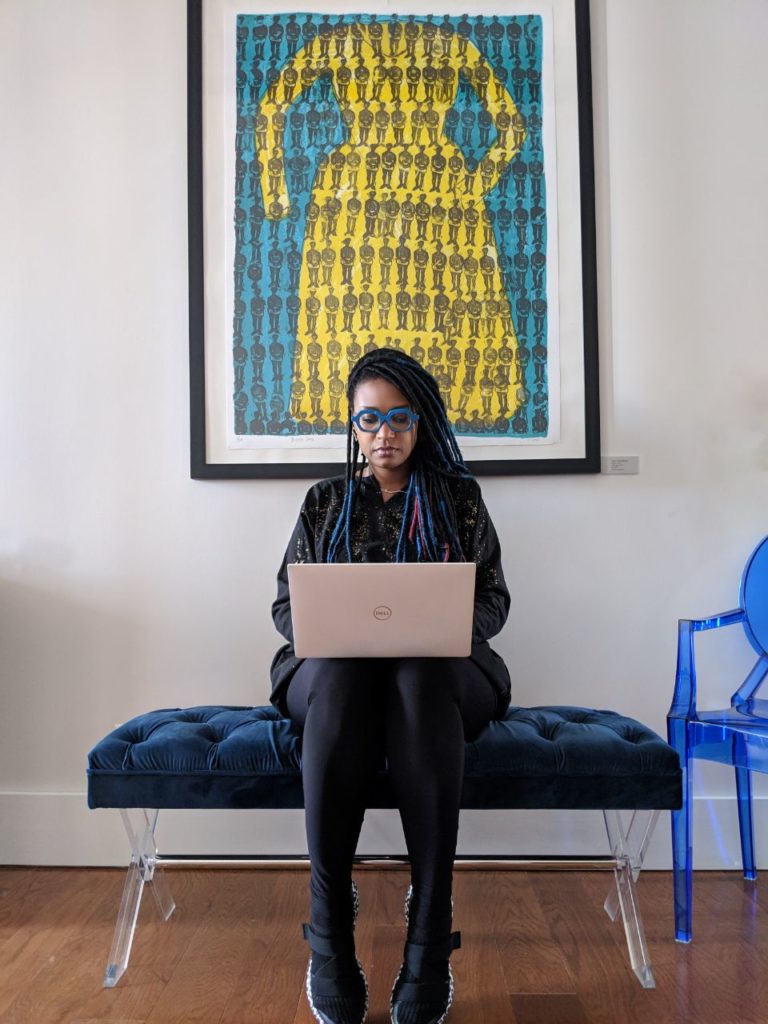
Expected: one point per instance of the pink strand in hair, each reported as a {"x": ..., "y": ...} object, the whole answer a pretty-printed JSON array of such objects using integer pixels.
[{"x": 416, "y": 520}]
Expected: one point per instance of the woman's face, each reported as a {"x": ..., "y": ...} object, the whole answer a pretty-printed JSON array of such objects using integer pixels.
[{"x": 386, "y": 449}]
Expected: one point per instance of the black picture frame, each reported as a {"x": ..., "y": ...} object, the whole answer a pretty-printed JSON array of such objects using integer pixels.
[{"x": 203, "y": 468}]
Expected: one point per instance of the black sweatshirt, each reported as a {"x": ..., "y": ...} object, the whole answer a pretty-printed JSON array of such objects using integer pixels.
[{"x": 374, "y": 534}]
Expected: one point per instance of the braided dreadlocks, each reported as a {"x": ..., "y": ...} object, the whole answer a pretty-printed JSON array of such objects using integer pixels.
[{"x": 429, "y": 516}]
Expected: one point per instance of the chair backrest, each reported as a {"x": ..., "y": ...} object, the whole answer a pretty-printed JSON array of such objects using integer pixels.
[{"x": 754, "y": 597}]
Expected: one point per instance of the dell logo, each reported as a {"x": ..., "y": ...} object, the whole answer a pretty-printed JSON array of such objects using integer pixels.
[{"x": 382, "y": 613}]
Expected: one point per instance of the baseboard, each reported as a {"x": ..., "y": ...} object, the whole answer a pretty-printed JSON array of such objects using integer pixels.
[{"x": 58, "y": 829}]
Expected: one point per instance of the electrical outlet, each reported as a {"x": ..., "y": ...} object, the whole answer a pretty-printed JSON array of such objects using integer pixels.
[{"x": 620, "y": 465}]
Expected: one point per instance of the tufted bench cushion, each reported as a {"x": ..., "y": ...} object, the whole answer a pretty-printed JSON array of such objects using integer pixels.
[{"x": 240, "y": 757}]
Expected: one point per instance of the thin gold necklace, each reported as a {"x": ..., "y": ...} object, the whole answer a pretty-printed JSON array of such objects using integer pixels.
[{"x": 388, "y": 490}]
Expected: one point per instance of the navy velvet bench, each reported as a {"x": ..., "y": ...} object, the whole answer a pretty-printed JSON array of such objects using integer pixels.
[{"x": 237, "y": 757}]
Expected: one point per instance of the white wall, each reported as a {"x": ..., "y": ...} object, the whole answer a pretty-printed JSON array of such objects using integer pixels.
[{"x": 125, "y": 586}]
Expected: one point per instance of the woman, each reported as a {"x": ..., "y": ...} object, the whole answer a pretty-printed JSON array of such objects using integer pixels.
[{"x": 410, "y": 498}]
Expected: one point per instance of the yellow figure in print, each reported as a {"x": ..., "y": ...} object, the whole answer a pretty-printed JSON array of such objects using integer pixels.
[{"x": 399, "y": 249}]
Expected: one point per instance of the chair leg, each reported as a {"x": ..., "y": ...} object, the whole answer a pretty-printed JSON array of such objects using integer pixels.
[
  {"x": 642, "y": 825},
  {"x": 744, "y": 801},
  {"x": 628, "y": 904},
  {"x": 143, "y": 869},
  {"x": 682, "y": 835}
]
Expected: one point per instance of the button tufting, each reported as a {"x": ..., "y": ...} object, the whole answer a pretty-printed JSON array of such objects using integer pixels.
[{"x": 252, "y": 757}]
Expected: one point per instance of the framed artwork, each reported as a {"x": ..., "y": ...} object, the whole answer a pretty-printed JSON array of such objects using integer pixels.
[{"x": 385, "y": 174}]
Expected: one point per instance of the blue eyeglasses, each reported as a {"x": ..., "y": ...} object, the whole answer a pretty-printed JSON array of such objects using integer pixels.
[{"x": 400, "y": 420}]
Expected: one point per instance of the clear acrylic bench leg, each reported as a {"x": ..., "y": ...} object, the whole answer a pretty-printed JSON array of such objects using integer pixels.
[
  {"x": 629, "y": 848},
  {"x": 142, "y": 869}
]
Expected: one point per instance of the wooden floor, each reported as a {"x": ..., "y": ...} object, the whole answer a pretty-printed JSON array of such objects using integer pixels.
[{"x": 537, "y": 949}]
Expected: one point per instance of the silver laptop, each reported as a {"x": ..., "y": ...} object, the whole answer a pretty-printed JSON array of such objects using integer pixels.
[{"x": 382, "y": 609}]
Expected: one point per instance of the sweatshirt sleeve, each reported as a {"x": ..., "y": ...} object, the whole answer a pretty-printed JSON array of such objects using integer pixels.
[
  {"x": 492, "y": 598},
  {"x": 301, "y": 548}
]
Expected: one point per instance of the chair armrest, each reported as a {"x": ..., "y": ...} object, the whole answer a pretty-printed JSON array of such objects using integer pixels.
[
  {"x": 684, "y": 699},
  {"x": 715, "y": 621}
]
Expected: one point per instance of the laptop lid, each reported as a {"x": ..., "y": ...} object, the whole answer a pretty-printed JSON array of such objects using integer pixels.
[{"x": 382, "y": 609}]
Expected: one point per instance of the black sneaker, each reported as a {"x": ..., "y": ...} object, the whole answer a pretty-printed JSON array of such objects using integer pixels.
[
  {"x": 423, "y": 989},
  {"x": 337, "y": 990}
]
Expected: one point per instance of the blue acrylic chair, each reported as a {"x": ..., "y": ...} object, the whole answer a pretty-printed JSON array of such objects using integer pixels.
[{"x": 737, "y": 735}]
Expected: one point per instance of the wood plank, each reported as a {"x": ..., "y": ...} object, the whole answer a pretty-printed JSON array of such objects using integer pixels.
[
  {"x": 74, "y": 985},
  {"x": 478, "y": 971},
  {"x": 158, "y": 949},
  {"x": 233, "y": 952},
  {"x": 217, "y": 954},
  {"x": 721, "y": 975},
  {"x": 544, "y": 1009},
  {"x": 40, "y": 893},
  {"x": 272, "y": 975},
  {"x": 59, "y": 907},
  {"x": 532, "y": 962},
  {"x": 605, "y": 984}
]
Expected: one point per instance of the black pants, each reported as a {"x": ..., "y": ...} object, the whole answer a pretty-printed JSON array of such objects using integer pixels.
[{"x": 419, "y": 712}]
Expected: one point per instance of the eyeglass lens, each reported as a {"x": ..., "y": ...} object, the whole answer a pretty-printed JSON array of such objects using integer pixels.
[{"x": 398, "y": 420}]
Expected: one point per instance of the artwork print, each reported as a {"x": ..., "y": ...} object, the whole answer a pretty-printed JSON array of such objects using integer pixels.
[{"x": 391, "y": 190}]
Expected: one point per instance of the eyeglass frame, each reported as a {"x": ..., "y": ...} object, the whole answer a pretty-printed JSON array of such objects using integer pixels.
[{"x": 386, "y": 418}]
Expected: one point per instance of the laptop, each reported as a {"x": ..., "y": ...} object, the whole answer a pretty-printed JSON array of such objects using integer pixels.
[{"x": 382, "y": 609}]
